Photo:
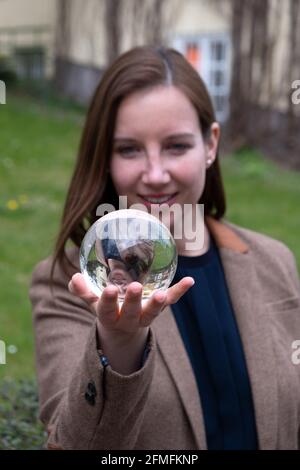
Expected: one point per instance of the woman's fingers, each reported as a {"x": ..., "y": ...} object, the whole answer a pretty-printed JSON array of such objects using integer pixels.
[
  {"x": 131, "y": 309},
  {"x": 153, "y": 307},
  {"x": 108, "y": 307},
  {"x": 78, "y": 287},
  {"x": 160, "y": 299},
  {"x": 175, "y": 292},
  {"x": 126, "y": 319},
  {"x": 132, "y": 314}
]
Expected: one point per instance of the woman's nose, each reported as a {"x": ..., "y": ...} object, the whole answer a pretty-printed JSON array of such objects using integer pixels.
[{"x": 155, "y": 172}]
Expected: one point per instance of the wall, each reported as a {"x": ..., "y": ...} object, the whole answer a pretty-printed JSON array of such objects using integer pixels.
[{"x": 28, "y": 23}]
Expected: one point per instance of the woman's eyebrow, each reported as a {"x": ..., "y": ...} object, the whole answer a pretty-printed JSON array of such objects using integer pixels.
[
  {"x": 180, "y": 135},
  {"x": 170, "y": 136},
  {"x": 124, "y": 139}
]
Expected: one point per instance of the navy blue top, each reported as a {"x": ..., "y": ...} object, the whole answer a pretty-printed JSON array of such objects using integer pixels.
[{"x": 207, "y": 325}]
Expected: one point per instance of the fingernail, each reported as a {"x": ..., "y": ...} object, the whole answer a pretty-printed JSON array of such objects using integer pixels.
[
  {"x": 136, "y": 290},
  {"x": 111, "y": 292}
]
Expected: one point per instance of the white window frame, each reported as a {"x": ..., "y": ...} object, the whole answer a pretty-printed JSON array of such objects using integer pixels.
[{"x": 205, "y": 41}]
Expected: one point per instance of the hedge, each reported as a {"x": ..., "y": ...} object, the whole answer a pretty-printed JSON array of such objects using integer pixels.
[{"x": 20, "y": 428}]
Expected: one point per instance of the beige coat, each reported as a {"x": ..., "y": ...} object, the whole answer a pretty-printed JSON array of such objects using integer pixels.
[{"x": 158, "y": 407}]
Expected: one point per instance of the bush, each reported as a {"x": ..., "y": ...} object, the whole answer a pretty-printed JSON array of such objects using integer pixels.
[{"x": 20, "y": 428}]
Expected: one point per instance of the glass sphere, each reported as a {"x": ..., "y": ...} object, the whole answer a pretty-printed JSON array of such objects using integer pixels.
[{"x": 125, "y": 246}]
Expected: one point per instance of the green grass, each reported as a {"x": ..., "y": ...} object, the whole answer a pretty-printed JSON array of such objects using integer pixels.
[
  {"x": 263, "y": 197},
  {"x": 164, "y": 255},
  {"x": 38, "y": 145},
  {"x": 37, "y": 151}
]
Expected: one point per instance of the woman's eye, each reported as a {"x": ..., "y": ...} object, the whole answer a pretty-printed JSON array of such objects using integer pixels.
[
  {"x": 127, "y": 150},
  {"x": 178, "y": 148}
]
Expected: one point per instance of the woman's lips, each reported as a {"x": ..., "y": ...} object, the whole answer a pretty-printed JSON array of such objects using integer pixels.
[
  {"x": 149, "y": 201},
  {"x": 118, "y": 275}
]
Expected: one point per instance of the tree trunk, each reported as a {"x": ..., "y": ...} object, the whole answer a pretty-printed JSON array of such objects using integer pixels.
[
  {"x": 251, "y": 62},
  {"x": 294, "y": 61},
  {"x": 63, "y": 29},
  {"x": 113, "y": 29},
  {"x": 237, "y": 109}
]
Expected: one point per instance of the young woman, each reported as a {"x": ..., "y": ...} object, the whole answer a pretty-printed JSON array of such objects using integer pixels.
[{"x": 206, "y": 364}]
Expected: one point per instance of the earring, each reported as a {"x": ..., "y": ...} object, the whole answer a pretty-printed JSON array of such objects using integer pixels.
[{"x": 208, "y": 163}]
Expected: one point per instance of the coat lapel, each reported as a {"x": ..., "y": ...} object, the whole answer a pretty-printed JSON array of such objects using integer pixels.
[
  {"x": 173, "y": 350},
  {"x": 254, "y": 328}
]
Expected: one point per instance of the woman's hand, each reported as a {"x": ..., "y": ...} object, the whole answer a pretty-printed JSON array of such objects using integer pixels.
[
  {"x": 123, "y": 331},
  {"x": 132, "y": 314}
]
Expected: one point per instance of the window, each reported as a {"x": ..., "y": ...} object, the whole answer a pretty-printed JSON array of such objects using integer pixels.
[
  {"x": 210, "y": 54},
  {"x": 218, "y": 51},
  {"x": 30, "y": 62}
]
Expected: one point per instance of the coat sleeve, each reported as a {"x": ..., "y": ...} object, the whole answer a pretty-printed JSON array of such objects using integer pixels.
[
  {"x": 293, "y": 271},
  {"x": 83, "y": 404}
]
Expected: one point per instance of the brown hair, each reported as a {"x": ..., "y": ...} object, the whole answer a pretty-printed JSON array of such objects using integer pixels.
[{"x": 91, "y": 185}]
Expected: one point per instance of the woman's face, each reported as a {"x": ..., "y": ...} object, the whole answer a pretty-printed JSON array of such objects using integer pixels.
[
  {"x": 159, "y": 155},
  {"x": 118, "y": 275}
]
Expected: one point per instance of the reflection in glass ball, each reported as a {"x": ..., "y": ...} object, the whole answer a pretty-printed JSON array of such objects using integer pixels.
[{"x": 125, "y": 246}]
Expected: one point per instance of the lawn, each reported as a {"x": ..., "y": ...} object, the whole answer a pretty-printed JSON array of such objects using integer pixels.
[
  {"x": 37, "y": 151},
  {"x": 263, "y": 197}
]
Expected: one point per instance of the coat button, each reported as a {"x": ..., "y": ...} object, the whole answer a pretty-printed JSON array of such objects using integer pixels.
[{"x": 91, "y": 393}]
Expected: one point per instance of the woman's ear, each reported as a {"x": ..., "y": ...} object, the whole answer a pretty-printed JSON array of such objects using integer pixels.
[{"x": 211, "y": 143}]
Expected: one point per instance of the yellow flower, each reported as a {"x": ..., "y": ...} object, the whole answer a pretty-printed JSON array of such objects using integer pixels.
[
  {"x": 23, "y": 199},
  {"x": 12, "y": 205}
]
